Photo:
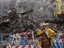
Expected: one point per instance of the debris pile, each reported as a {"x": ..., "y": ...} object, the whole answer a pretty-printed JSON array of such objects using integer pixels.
[{"x": 17, "y": 22}]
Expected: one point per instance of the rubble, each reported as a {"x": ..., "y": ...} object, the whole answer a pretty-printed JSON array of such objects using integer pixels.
[{"x": 17, "y": 22}]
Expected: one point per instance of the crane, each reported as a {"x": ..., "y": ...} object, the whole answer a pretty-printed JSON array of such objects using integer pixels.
[{"x": 59, "y": 12}]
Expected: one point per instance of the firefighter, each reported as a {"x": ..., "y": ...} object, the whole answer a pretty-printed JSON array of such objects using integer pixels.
[{"x": 46, "y": 35}]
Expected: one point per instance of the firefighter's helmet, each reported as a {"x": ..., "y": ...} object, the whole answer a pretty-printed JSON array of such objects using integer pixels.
[{"x": 44, "y": 24}]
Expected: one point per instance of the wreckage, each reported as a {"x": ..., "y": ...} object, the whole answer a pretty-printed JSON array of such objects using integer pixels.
[{"x": 16, "y": 22}]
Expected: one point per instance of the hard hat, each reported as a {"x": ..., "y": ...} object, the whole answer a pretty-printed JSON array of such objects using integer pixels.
[{"x": 43, "y": 24}]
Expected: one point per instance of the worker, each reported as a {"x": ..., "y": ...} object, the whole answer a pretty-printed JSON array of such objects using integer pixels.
[{"x": 46, "y": 35}]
